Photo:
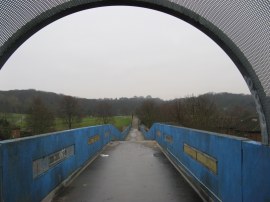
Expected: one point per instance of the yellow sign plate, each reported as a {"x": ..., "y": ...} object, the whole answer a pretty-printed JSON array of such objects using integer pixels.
[{"x": 203, "y": 158}]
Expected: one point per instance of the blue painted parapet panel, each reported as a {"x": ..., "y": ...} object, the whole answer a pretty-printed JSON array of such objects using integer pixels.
[
  {"x": 125, "y": 132},
  {"x": 223, "y": 167},
  {"x": 117, "y": 135},
  {"x": 32, "y": 167},
  {"x": 256, "y": 175},
  {"x": 148, "y": 135}
]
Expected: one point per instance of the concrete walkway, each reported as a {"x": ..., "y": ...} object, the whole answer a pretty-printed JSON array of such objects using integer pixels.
[
  {"x": 135, "y": 134},
  {"x": 129, "y": 171}
]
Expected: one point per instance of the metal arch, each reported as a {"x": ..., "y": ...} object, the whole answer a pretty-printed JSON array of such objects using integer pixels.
[{"x": 241, "y": 28}]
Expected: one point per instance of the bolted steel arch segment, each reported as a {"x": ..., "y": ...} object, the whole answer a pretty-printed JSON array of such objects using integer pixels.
[{"x": 241, "y": 28}]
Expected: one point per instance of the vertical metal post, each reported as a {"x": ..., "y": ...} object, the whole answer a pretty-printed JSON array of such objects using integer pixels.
[{"x": 1, "y": 174}]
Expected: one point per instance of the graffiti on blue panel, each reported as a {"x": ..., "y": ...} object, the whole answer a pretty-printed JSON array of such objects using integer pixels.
[{"x": 41, "y": 165}]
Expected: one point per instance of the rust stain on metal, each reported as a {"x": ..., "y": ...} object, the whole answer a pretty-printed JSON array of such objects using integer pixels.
[
  {"x": 169, "y": 138},
  {"x": 93, "y": 139},
  {"x": 158, "y": 133}
]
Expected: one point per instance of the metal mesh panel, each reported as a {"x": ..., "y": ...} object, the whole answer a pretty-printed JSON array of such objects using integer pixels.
[
  {"x": 246, "y": 23},
  {"x": 245, "y": 26}
]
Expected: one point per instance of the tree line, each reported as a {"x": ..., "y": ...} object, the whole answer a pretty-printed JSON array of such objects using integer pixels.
[
  {"x": 40, "y": 119},
  {"x": 220, "y": 112},
  {"x": 19, "y": 101},
  {"x": 202, "y": 112}
]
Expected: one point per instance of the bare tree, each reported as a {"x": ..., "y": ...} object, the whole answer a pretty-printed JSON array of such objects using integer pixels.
[
  {"x": 178, "y": 112},
  {"x": 200, "y": 113},
  {"x": 104, "y": 111},
  {"x": 5, "y": 129},
  {"x": 40, "y": 119},
  {"x": 70, "y": 111},
  {"x": 147, "y": 113}
]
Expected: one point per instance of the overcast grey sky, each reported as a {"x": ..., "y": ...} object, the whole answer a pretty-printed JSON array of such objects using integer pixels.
[{"x": 121, "y": 52}]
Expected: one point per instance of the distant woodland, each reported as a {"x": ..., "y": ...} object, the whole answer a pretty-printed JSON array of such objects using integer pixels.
[{"x": 219, "y": 112}]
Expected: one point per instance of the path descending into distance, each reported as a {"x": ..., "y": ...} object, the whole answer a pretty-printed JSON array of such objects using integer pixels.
[{"x": 134, "y": 170}]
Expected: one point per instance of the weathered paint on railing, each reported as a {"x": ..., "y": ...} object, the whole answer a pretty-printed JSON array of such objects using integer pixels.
[
  {"x": 116, "y": 135},
  {"x": 32, "y": 167},
  {"x": 255, "y": 172},
  {"x": 148, "y": 134},
  {"x": 125, "y": 132},
  {"x": 242, "y": 166}
]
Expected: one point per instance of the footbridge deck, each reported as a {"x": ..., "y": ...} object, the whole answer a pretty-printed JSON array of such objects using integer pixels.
[{"x": 132, "y": 170}]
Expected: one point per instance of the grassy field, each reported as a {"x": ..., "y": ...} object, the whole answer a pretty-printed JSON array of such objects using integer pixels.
[
  {"x": 15, "y": 119},
  {"x": 119, "y": 121}
]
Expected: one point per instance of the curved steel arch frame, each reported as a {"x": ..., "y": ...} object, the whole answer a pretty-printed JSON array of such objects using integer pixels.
[{"x": 241, "y": 28}]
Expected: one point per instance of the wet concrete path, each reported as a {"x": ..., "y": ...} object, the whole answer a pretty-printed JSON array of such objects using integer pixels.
[
  {"x": 134, "y": 133},
  {"x": 129, "y": 171}
]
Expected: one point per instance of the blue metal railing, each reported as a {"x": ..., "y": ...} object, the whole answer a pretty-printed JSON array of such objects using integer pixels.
[
  {"x": 148, "y": 134},
  {"x": 226, "y": 168},
  {"x": 125, "y": 132},
  {"x": 223, "y": 167},
  {"x": 32, "y": 167}
]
